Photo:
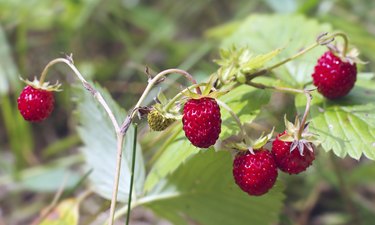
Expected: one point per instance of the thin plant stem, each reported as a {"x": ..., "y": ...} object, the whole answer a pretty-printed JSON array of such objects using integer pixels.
[
  {"x": 132, "y": 173},
  {"x": 69, "y": 62},
  {"x": 306, "y": 113},
  {"x": 156, "y": 79},
  {"x": 120, "y": 141},
  {"x": 238, "y": 121},
  {"x": 281, "y": 89},
  {"x": 180, "y": 94},
  {"x": 322, "y": 40}
]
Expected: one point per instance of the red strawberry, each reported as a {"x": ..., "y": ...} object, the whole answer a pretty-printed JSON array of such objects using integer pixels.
[
  {"x": 202, "y": 121},
  {"x": 34, "y": 104},
  {"x": 334, "y": 77},
  {"x": 255, "y": 173},
  {"x": 292, "y": 157}
]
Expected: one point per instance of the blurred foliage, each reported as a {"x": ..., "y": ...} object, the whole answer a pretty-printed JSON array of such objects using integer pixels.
[{"x": 112, "y": 43}]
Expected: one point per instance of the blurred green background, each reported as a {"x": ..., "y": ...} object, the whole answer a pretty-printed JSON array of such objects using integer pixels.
[{"x": 112, "y": 43}]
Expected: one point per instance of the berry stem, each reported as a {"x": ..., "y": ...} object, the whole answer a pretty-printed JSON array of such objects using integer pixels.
[
  {"x": 269, "y": 69},
  {"x": 132, "y": 173},
  {"x": 346, "y": 41},
  {"x": 69, "y": 62},
  {"x": 281, "y": 89},
  {"x": 150, "y": 85},
  {"x": 179, "y": 95},
  {"x": 323, "y": 39},
  {"x": 120, "y": 141},
  {"x": 238, "y": 121},
  {"x": 304, "y": 118}
]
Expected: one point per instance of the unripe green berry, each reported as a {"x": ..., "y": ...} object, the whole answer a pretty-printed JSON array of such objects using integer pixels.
[{"x": 158, "y": 121}]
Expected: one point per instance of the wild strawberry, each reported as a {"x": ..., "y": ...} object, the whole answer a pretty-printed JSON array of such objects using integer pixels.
[
  {"x": 202, "y": 121},
  {"x": 157, "y": 121},
  {"x": 334, "y": 76},
  {"x": 292, "y": 157},
  {"x": 255, "y": 173},
  {"x": 34, "y": 104}
]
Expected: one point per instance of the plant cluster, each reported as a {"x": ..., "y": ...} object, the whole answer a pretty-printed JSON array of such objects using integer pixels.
[{"x": 255, "y": 168}]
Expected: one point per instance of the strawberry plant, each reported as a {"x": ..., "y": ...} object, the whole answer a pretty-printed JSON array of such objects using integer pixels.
[{"x": 215, "y": 166}]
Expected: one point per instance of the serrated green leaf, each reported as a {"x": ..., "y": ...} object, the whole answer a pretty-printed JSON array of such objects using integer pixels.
[
  {"x": 265, "y": 33},
  {"x": 345, "y": 126},
  {"x": 65, "y": 213},
  {"x": 99, "y": 149},
  {"x": 203, "y": 190}
]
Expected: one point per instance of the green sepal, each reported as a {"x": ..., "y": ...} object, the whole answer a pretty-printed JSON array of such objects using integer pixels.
[
  {"x": 262, "y": 140},
  {"x": 44, "y": 86}
]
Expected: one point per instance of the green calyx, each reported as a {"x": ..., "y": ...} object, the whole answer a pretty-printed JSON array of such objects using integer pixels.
[
  {"x": 157, "y": 121},
  {"x": 251, "y": 145},
  {"x": 44, "y": 86},
  {"x": 305, "y": 138},
  {"x": 351, "y": 56}
]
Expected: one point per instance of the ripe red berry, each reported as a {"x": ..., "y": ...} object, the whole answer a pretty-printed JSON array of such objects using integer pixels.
[
  {"x": 292, "y": 161},
  {"x": 333, "y": 77},
  {"x": 35, "y": 104},
  {"x": 202, "y": 121},
  {"x": 255, "y": 173}
]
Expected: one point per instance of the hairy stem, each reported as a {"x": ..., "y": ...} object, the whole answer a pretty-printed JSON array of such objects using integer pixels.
[
  {"x": 179, "y": 95},
  {"x": 120, "y": 140},
  {"x": 304, "y": 118},
  {"x": 132, "y": 173},
  {"x": 150, "y": 85},
  {"x": 69, "y": 62},
  {"x": 321, "y": 40},
  {"x": 281, "y": 89},
  {"x": 238, "y": 121}
]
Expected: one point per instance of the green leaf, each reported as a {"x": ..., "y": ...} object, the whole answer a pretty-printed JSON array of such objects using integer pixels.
[
  {"x": 265, "y": 33},
  {"x": 203, "y": 190},
  {"x": 345, "y": 126},
  {"x": 65, "y": 213},
  {"x": 176, "y": 150},
  {"x": 99, "y": 149},
  {"x": 246, "y": 102}
]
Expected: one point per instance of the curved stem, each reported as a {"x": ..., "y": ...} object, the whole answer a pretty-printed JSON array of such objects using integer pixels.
[
  {"x": 132, "y": 174},
  {"x": 322, "y": 40},
  {"x": 120, "y": 140},
  {"x": 238, "y": 121},
  {"x": 307, "y": 110},
  {"x": 86, "y": 85},
  {"x": 150, "y": 85},
  {"x": 346, "y": 41},
  {"x": 178, "y": 96}
]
